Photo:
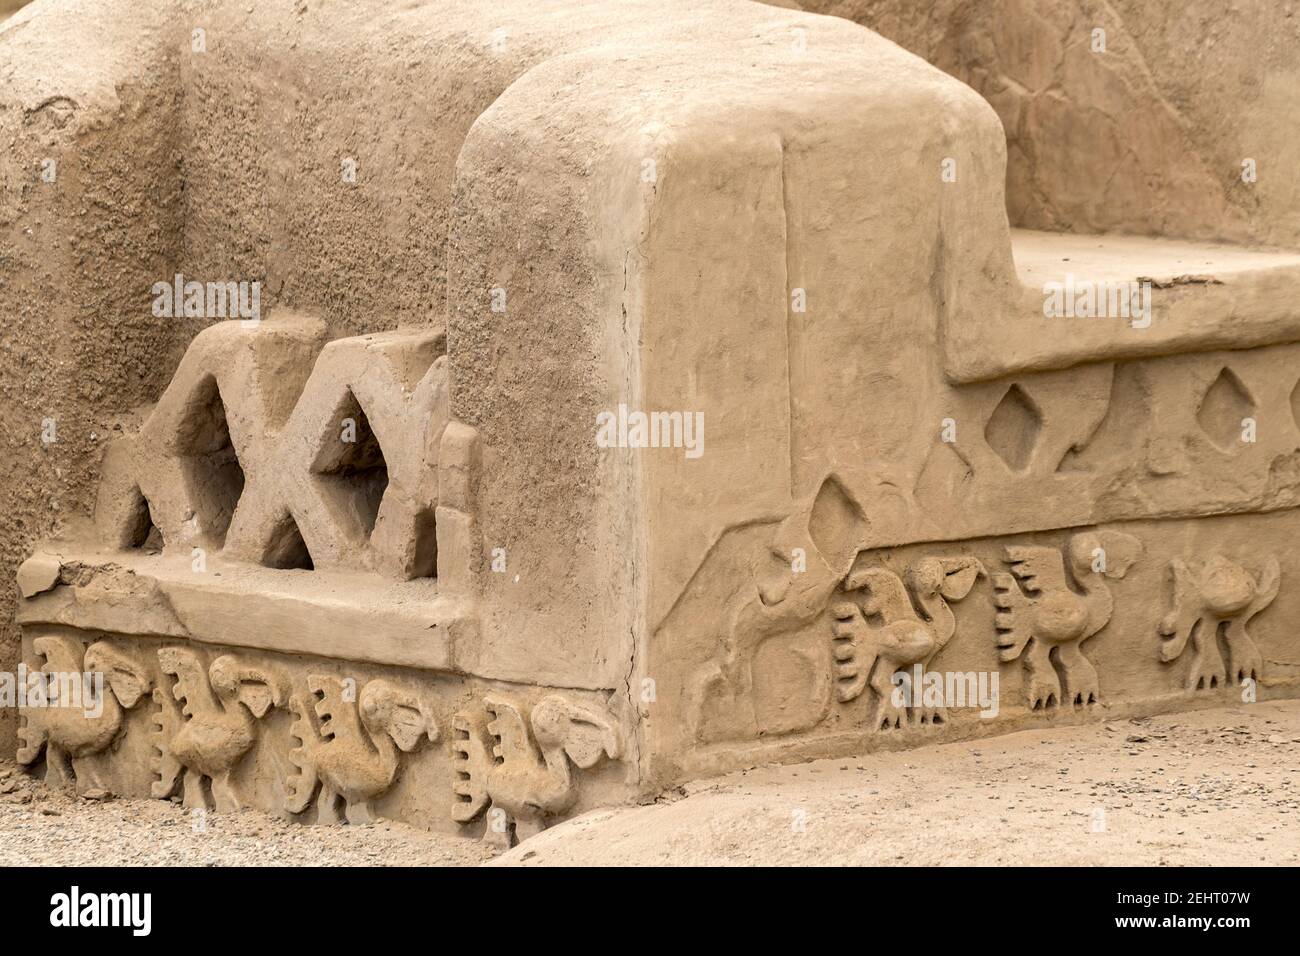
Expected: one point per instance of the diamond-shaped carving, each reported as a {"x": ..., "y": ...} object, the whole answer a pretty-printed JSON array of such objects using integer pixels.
[
  {"x": 351, "y": 468},
  {"x": 1014, "y": 428},
  {"x": 1225, "y": 404},
  {"x": 1295, "y": 404}
]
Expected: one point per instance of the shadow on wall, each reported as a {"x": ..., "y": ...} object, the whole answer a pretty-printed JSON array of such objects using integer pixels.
[
  {"x": 1111, "y": 122},
  {"x": 9, "y": 7}
]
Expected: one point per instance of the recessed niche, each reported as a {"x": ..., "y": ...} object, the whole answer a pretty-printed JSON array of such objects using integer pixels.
[
  {"x": 1013, "y": 429},
  {"x": 1223, "y": 409},
  {"x": 140, "y": 533},
  {"x": 286, "y": 548},
  {"x": 351, "y": 468},
  {"x": 424, "y": 563},
  {"x": 214, "y": 479}
]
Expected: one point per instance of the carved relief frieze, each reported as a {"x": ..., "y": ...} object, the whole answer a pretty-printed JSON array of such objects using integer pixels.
[
  {"x": 788, "y": 572},
  {"x": 521, "y": 760},
  {"x": 879, "y": 629},
  {"x": 82, "y": 707},
  {"x": 1212, "y": 599},
  {"x": 1046, "y": 616},
  {"x": 207, "y": 720},
  {"x": 351, "y": 745}
]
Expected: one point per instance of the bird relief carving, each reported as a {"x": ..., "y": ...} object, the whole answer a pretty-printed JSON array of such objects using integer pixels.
[
  {"x": 878, "y": 630},
  {"x": 66, "y": 729},
  {"x": 1212, "y": 599},
  {"x": 207, "y": 723},
  {"x": 351, "y": 745},
  {"x": 521, "y": 760},
  {"x": 1046, "y": 618}
]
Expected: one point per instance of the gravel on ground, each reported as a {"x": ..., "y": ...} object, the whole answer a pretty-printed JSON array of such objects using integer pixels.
[
  {"x": 40, "y": 826},
  {"x": 1210, "y": 787}
]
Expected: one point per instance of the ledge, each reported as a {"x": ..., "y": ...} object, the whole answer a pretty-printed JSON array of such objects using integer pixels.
[
  {"x": 1203, "y": 296},
  {"x": 343, "y": 615}
]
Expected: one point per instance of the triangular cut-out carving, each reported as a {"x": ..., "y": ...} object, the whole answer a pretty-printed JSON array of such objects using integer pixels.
[
  {"x": 351, "y": 467},
  {"x": 943, "y": 478},
  {"x": 213, "y": 477},
  {"x": 1013, "y": 429},
  {"x": 835, "y": 523},
  {"x": 1224, "y": 408},
  {"x": 140, "y": 533},
  {"x": 286, "y": 549}
]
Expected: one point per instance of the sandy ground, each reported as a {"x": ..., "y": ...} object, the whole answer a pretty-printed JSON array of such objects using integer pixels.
[
  {"x": 41, "y": 827},
  {"x": 1211, "y": 787}
]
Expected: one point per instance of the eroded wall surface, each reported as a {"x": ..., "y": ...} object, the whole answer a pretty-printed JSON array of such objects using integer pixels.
[
  {"x": 1147, "y": 137},
  {"x": 91, "y": 218}
]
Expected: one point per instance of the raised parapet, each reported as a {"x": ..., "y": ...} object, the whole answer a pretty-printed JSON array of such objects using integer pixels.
[{"x": 768, "y": 249}]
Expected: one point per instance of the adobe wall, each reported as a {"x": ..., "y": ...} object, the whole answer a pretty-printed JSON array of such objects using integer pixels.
[
  {"x": 478, "y": 230},
  {"x": 557, "y": 210},
  {"x": 91, "y": 98},
  {"x": 1148, "y": 137}
]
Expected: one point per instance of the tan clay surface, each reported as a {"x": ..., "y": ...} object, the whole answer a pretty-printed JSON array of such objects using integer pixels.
[
  {"x": 1147, "y": 137},
  {"x": 40, "y": 826},
  {"x": 477, "y": 414}
]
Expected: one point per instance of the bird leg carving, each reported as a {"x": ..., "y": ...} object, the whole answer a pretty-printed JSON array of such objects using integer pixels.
[
  {"x": 879, "y": 630},
  {"x": 1212, "y": 598},
  {"x": 1060, "y": 601},
  {"x": 520, "y": 760}
]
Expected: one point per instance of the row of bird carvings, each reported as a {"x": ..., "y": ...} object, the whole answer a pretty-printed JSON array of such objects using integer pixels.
[
  {"x": 879, "y": 629},
  {"x": 349, "y": 738}
]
